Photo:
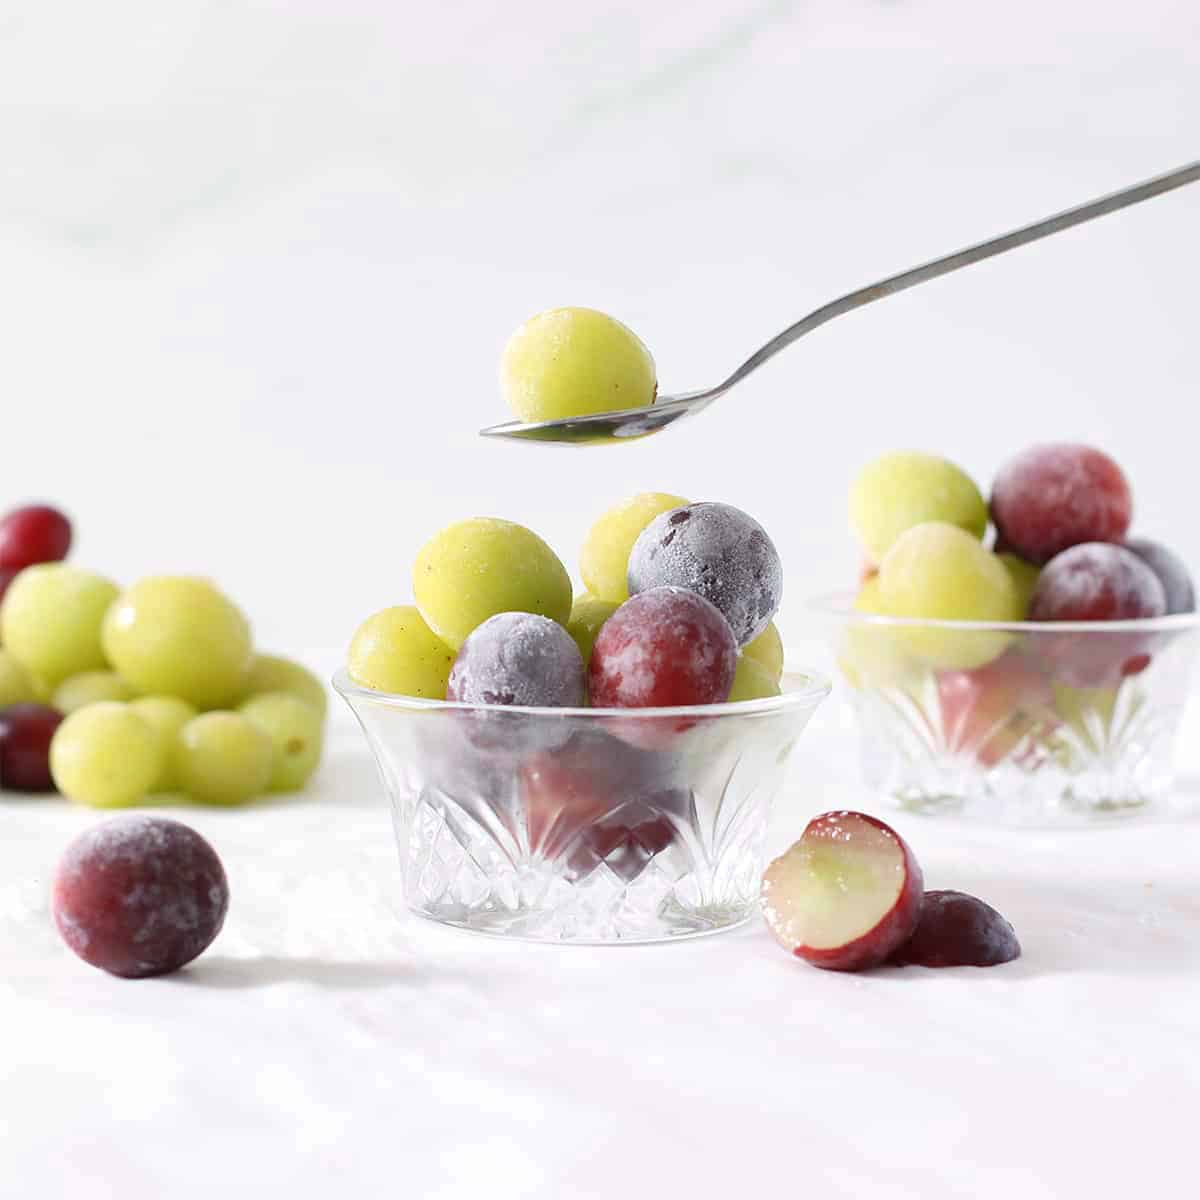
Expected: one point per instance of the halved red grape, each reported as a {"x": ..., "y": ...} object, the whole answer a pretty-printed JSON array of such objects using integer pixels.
[
  {"x": 1056, "y": 496},
  {"x": 1171, "y": 570},
  {"x": 26, "y": 731},
  {"x": 34, "y": 534}
]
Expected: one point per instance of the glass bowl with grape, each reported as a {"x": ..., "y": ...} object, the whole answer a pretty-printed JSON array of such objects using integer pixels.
[
  {"x": 1038, "y": 680},
  {"x": 591, "y": 767}
]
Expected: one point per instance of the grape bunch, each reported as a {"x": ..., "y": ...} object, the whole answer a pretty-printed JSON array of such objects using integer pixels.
[{"x": 111, "y": 696}]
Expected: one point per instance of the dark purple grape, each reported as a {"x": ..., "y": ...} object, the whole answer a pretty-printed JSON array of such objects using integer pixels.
[
  {"x": 718, "y": 552},
  {"x": 1097, "y": 582},
  {"x": 26, "y": 731},
  {"x": 957, "y": 930},
  {"x": 1171, "y": 570}
]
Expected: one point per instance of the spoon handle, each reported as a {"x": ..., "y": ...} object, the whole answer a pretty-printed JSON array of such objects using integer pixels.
[{"x": 962, "y": 258}]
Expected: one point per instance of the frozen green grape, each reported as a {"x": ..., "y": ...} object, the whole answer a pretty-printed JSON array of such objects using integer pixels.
[
  {"x": 752, "y": 681},
  {"x": 872, "y": 655},
  {"x": 223, "y": 758},
  {"x": 294, "y": 728},
  {"x": 166, "y": 715},
  {"x": 939, "y": 572},
  {"x": 105, "y": 756},
  {"x": 477, "y": 568},
  {"x": 587, "y": 616},
  {"x": 51, "y": 617},
  {"x": 604, "y": 559},
  {"x": 90, "y": 688},
  {"x": 568, "y": 362},
  {"x": 1024, "y": 576},
  {"x": 395, "y": 651},
  {"x": 179, "y": 636},
  {"x": 270, "y": 673},
  {"x": 15, "y": 685},
  {"x": 899, "y": 490},
  {"x": 767, "y": 651}
]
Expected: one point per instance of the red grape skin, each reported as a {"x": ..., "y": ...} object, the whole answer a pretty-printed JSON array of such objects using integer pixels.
[
  {"x": 1097, "y": 582},
  {"x": 661, "y": 648},
  {"x": 958, "y": 930},
  {"x": 7, "y": 575},
  {"x": 35, "y": 534},
  {"x": 1056, "y": 496},
  {"x": 25, "y": 734},
  {"x": 139, "y": 896}
]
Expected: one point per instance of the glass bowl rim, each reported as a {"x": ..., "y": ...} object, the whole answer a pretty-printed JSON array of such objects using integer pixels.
[
  {"x": 815, "y": 688},
  {"x": 841, "y": 606}
]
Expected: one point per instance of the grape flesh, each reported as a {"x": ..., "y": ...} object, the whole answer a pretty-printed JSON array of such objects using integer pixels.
[
  {"x": 604, "y": 559},
  {"x": 395, "y": 651},
  {"x": 587, "y": 617},
  {"x": 15, "y": 685},
  {"x": 51, "y": 620},
  {"x": 35, "y": 534},
  {"x": 1097, "y": 581},
  {"x": 105, "y": 756},
  {"x": 26, "y": 731},
  {"x": 767, "y": 651},
  {"x": 166, "y": 716},
  {"x": 521, "y": 659},
  {"x": 957, "y": 930},
  {"x": 569, "y": 362},
  {"x": 179, "y": 636},
  {"x": 899, "y": 490},
  {"x": 477, "y": 568},
  {"x": 223, "y": 758},
  {"x": 663, "y": 647},
  {"x": 90, "y": 688},
  {"x": 1171, "y": 570},
  {"x": 751, "y": 681},
  {"x": 139, "y": 896},
  {"x": 1060, "y": 495},
  {"x": 270, "y": 673},
  {"x": 718, "y": 552},
  {"x": 294, "y": 728}
]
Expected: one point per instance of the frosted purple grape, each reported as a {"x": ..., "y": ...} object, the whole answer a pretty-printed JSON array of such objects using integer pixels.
[
  {"x": 522, "y": 659},
  {"x": 1171, "y": 570},
  {"x": 718, "y": 552}
]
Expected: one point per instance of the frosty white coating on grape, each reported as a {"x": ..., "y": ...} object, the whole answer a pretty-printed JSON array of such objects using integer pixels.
[{"x": 718, "y": 552}]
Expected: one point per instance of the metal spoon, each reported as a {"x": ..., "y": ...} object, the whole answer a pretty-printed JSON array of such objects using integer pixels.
[{"x": 666, "y": 410}]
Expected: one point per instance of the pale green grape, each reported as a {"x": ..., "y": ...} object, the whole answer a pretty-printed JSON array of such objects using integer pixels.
[
  {"x": 604, "y": 559},
  {"x": 105, "y": 756},
  {"x": 587, "y": 616},
  {"x": 90, "y": 688},
  {"x": 937, "y": 571},
  {"x": 568, "y": 362},
  {"x": 15, "y": 685},
  {"x": 752, "y": 681},
  {"x": 873, "y": 655},
  {"x": 294, "y": 728},
  {"x": 477, "y": 568},
  {"x": 767, "y": 651},
  {"x": 166, "y": 715},
  {"x": 395, "y": 651},
  {"x": 50, "y": 620},
  {"x": 1024, "y": 576},
  {"x": 899, "y": 490},
  {"x": 179, "y": 636},
  {"x": 223, "y": 758},
  {"x": 270, "y": 673}
]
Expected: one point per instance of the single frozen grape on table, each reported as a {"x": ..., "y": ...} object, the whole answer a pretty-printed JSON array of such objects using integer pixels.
[
  {"x": 521, "y": 659},
  {"x": 224, "y": 758},
  {"x": 294, "y": 727},
  {"x": 34, "y": 534},
  {"x": 587, "y": 618},
  {"x": 477, "y": 568},
  {"x": 767, "y": 651},
  {"x": 604, "y": 559},
  {"x": 166, "y": 715},
  {"x": 90, "y": 687},
  {"x": 718, "y": 552},
  {"x": 139, "y": 896},
  {"x": 1172, "y": 573},
  {"x": 26, "y": 731},
  {"x": 105, "y": 756},
  {"x": 395, "y": 651},
  {"x": 15, "y": 685},
  {"x": 271, "y": 673}
]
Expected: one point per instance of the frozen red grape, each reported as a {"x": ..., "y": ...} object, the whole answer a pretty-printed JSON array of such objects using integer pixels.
[
  {"x": 663, "y": 647},
  {"x": 1056, "y": 496},
  {"x": 1171, "y": 570},
  {"x": 26, "y": 731},
  {"x": 957, "y": 930},
  {"x": 1097, "y": 581},
  {"x": 519, "y": 658},
  {"x": 718, "y": 552},
  {"x": 139, "y": 896},
  {"x": 34, "y": 534}
]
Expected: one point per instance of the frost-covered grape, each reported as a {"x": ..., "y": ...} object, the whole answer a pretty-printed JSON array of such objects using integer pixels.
[
  {"x": 1024, "y": 576},
  {"x": 90, "y": 688},
  {"x": 718, "y": 552},
  {"x": 51, "y": 619},
  {"x": 767, "y": 651},
  {"x": 568, "y": 362},
  {"x": 477, "y": 568},
  {"x": 604, "y": 559},
  {"x": 294, "y": 727},
  {"x": 1171, "y": 570},
  {"x": 15, "y": 685},
  {"x": 34, "y": 534},
  {"x": 663, "y": 647},
  {"x": 179, "y": 636},
  {"x": 587, "y": 616},
  {"x": 105, "y": 756},
  {"x": 1056, "y": 496},
  {"x": 395, "y": 651},
  {"x": 166, "y": 715},
  {"x": 905, "y": 488},
  {"x": 522, "y": 659},
  {"x": 270, "y": 673},
  {"x": 223, "y": 758},
  {"x": 26, "y": 731},
  {"x": 139, "y": 896},
  {"x": 1097, "y": 582},
  {"x": 751, "y": 681}
]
